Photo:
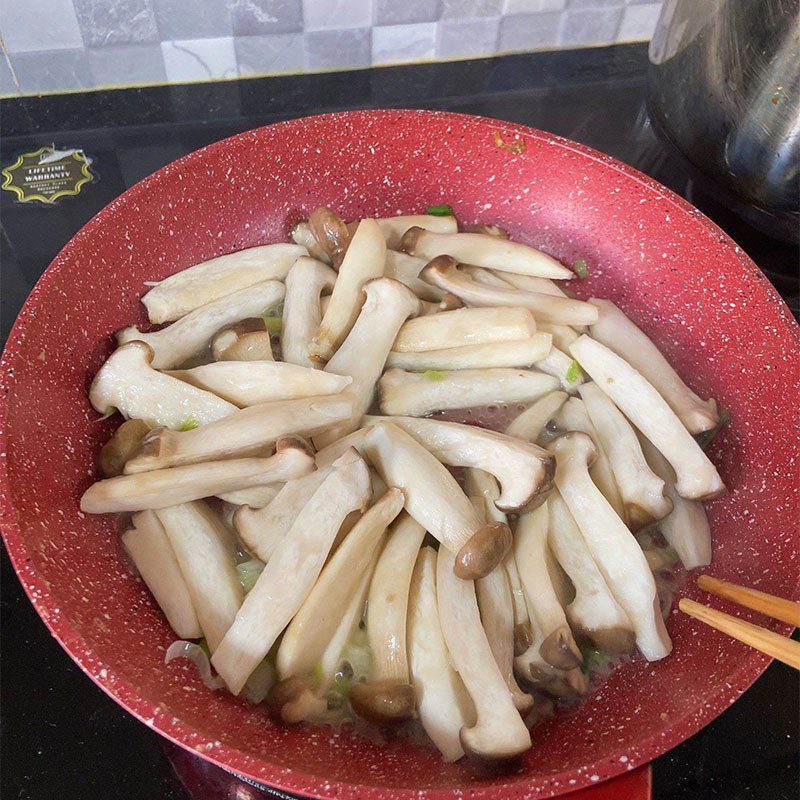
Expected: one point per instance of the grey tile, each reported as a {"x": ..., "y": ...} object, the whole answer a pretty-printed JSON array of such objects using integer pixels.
[
  {"x": 638, "y": 22},
  {"x": 106, "y": 22},
  {"x": 597, "y": 3},
  {"x": 470, "y": 37},
  {"x": 468, "y": 9},
  {"x": 192, "y": 19},
  {"x": 397, "y": 44},
  {"x": 396, "y": 12},
  {"x": 319, "y": 15},
  {"x": 8, "y": 87},
  {"x": 532, "y": 6},
  {"x": 127, "y": 64},
  {"x": 23, "y": 29},
  {"x": 55, "y": 71},
  {"x": 589, "y": 26},
  {"x": 337, "y": 49},
  {"x": 199, "y": 59},
  {"x": 270, "y": 55},
  {"x": 527, "y": 32},
  {"x": 266, "y": 16}
]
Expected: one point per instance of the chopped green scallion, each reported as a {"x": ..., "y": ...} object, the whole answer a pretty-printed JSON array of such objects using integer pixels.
[
  {"x": 189, "y": 425},
  {"x": 433, "y": 375},
  {"x": 705, "y": 438},
  {"x": 574, "y": 372},
  {"x": 440, "y": 211},
  {"x": 273, "y": 325},
  {"x": 581, "y": 270}
]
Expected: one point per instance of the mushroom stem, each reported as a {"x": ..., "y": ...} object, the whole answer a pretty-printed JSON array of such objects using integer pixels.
[
  {"x": 508, "y": 355},
  {"x": 128, "y": 383},
  {"x": 617, "y": 332},
  {"x": 363, "y": 353},
  {"x": 642, "y": 491},
  {"x": 302, "y": 312},
  {"x": 147, "y": 545},
  {"x": 483, "y": 250},
  {"x": 301, "y": 234},
  {"x": 465, "y": 326},
  {"x": 613, "y": 547},
  {"x": 444, "y": 273},
  {"x": 393, "y": 228},
  {"x": 594, "y": 615},
  {"x": 244, "y": 432},
  {"x": 641, "y": 403},
  {"x": 499, "y": 731},
  {"x": 529, "y": 425},
  {"x": 531, "y": 283},
  {"x": 254, "y": 497},
  {"x": 308, "y": 634},
  {"x": 406, "y": 269},
  {"x": 364, "y": 259},
  {"x": 204, "y": 551},
  {"x": 167, "y": 487},
  {"x": 563, "y": 335},
  {"x": 524, "y": 471},
  {"x": 292, "y": 571},
  {"x": 212, "y": 280},
  {"x": 192, "y": 334},
  {"x": 558, "y": 647},
  {"x": 416, "y": 394},
  {"x": 249, "y": 383},
  {"x": 247, "y": 340},
  {"x": 388, "y": 697},
  {"x": 126, "y": 440},
  {"x": 443, "y": 703},
  {"x": 563, "y": 367}
]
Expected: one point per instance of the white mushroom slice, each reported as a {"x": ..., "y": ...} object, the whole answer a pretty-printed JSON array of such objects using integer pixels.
[
  {"x": 435, "y": 500},
  {"x": 166, "y": 487},
  {"x": 244, "y": 432},
  {"x": 563, "y": 367},
  {"x": 330, "y": 232},
  {"x": 686, "y": 527},
  {"x": 388, "y": 696},
  {"x": 405, "y": 268},
  {"x": 530, "y": 283},
  {"x": 192, "y": 334},
  {"x": 249, "y": 383},
  {"x": 292, "y": 571},
  {"x": 483, "y": 250},
  {"x": 393, "y": 228},
  {"x": 558, "y": 647},
  {"x": 185, "y": 291},
  {"x": 563, "y": 335},
  {"x": 486, "y": 276},
  {"x": 641, "y": 403},
  {"x": 617, "y": 332},
  {"x": 127, "y": 439},
  {"x": 308, "y": 634},
  {"x": 260, "y": 530},
  {"x": 499, "y": 731},
  {"x": 363, "y": 353},
  {"x": 508, "y": 355},
  {"x": 202, "y": 548},
  {"x": 128, "y": 383},
  {"x": 301, "y": 234},
  {"x": 364, "y": 259},
  {"x": 574, "y": 417},
  {"x": 415, "y": 394},
  {"x": 241, "y": 342},
  {"x": 594, "y": 615},
  {"x": 529, "y": 425},
  {"x": 465, "y": 326},
  {"x": 613, "y": 547},
  {"x": 254, "y": 497},
  {"x": 642, "y": 491},
  {"x": 524, "y": 471},
  {"x": 443, "y": 703},
  {"x": 444, "y": 273},
  {"x": 302, "y": 310},
  {"x": 147, "y": 545}
]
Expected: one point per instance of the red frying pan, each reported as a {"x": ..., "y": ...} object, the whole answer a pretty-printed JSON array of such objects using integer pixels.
[{"x": 678, "y": 275}]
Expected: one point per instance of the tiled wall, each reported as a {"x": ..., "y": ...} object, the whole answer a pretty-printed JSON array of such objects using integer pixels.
[{"x": 55, "y": 45}]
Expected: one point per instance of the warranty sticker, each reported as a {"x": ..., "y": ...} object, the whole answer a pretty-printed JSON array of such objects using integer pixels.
[{"x": 48, "y": 175}]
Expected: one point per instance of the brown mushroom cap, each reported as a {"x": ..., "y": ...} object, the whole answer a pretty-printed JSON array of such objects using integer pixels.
[
  {"x": 523, "y": 637},
  {"x": 560, "y": 650},
  {"x": 385, "y": 702},
  {"x": 488, "y": 230},
  {"x": 614, "y": 641},
  {"x": 409, "y": 240},
  {"x": 485, "y": 549},
  {"x": 330, "y": 232},
  {"x": 121, "y": 446},
  {"x": 291, "y": 701}
]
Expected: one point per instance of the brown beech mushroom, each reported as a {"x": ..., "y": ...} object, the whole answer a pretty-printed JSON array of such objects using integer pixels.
[
  {"x": 613, "y": 547},
  {"x": 641, "y": 403},
  {"x": 531, "y": 283},
  {"x": 388, "y": 697},
  {"x": 444, "y": 273},
  {"x": 121, "y": 446},
  {"x": 292, "y": 571},
  {"x": 330, "y": 233},
  {"x": 128, "y": 383},
  {"x": 406, "y": 269},
  {"x": 246, "y": 341},
  {"x": 302, "y": 234},
  {"x": 393, "y": 228},
  {"x": 244, "y": 432},
  {"x": 364, "y": 259},
  {"x": 291, "y": 700},
  {"x": 563, "y": 335},
  {"x": 524, "y": 471},
  {"x": 192, "y": 334},
  {"x": 189, "y": 289},
  {"x": 302, "y": 311},
  {"x": 499, "y": 731},
  {"x": 483, "y": 251},
  {"x": 166, "y": 487}
]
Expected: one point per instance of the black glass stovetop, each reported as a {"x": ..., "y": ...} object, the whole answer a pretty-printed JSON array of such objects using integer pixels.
[{"x": 62, "y": 737}]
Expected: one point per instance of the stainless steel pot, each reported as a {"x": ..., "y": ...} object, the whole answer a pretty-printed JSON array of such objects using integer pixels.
[{"x": 724, "y": 90}]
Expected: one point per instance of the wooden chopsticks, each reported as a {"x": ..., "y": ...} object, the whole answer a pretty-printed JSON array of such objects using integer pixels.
[{"x": 773, "y": 644}]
